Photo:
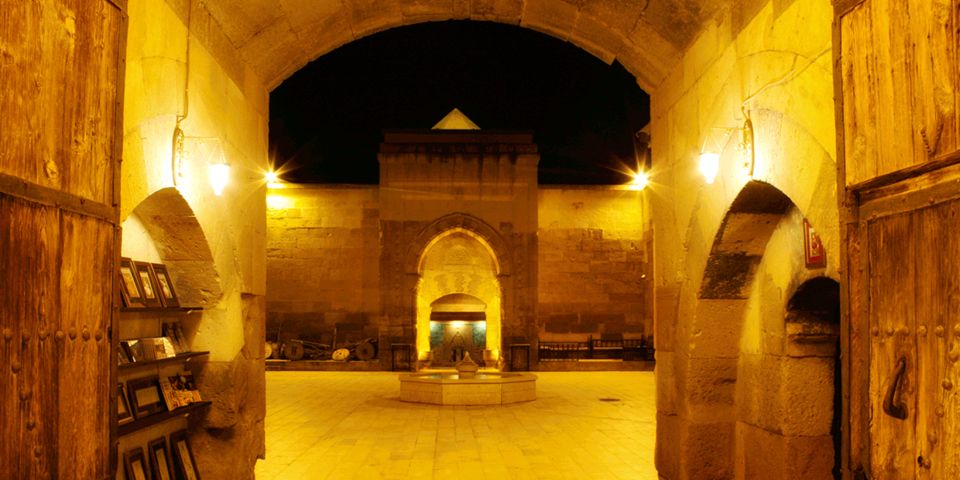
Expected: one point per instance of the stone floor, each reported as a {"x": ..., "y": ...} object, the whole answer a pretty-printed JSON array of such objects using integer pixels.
[{"x": 331, "y": 425}]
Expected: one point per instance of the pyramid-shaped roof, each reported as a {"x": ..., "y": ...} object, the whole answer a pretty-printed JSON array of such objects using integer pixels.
[{"x": 455, "y": 120}]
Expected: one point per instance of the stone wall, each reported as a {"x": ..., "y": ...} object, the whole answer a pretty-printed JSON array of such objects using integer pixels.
[
  {"x": 593, "y": 264},
  {"x": 772, "y": 62},
  {"x": 323, "y": 249},
  {"x": 226, "y": 118}
]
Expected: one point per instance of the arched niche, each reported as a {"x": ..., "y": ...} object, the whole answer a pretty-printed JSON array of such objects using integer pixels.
[
  {"x": 813, "y": 347},
  {"x": 713, "y": 366},
  {"x": 179, "y": 243},
  {"x": 458, "y": 272}
]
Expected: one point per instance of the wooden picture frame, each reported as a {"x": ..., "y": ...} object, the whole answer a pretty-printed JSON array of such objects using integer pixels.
[
  {"x": 168, "y": 295},
  {"x": 123, "y": 355},
  {"x": 169, "y": 330},
  {"x": 145, "y": 396},
  {"x": 161, "y": 466},
  {"x": 134, "y": 463},
  {"x": 148, "y": 280},
  {"x": 131, "y": 292},
  {"x": 184, "y": 467},
  {"x": 134, "y": 349},
  {"x": 124, "y": 414}
]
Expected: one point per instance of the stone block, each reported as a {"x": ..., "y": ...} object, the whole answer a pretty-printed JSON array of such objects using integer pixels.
[
  {"x": 668, "y": 453},
  {"x": 809, "y": 457},
  {"x": 254, "y": 311},
  {"x": 717, "y": 328},
  {"x": 711, "y": 386},
  {"x": 667, "y": 308},
  {"x": 807, "y": 395},
  {"x": 751, "y": 463},
  {"x": 759, "y": 399},
  {"x": 372, "y": 16},
  {"x": 667, "y": 394},
  {"x": 550, "y": 17},
  {"x": 707, "y": 450},
  {"x": 562, "y": 323}
]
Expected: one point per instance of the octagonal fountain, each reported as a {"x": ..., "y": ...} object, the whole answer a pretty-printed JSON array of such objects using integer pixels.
[{"x": 467, "y": 386}]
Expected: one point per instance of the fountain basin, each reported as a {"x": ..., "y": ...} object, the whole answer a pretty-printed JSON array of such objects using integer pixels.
[{"x": 486, "y": 388}]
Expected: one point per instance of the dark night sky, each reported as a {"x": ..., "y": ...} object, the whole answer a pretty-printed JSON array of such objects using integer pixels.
[{"x": 327, "y": 120}]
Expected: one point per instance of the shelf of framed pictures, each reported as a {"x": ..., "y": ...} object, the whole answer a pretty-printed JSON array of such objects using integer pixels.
[
  {"x": 180, "y": 357},
  {"x": 153, "y": 419}
]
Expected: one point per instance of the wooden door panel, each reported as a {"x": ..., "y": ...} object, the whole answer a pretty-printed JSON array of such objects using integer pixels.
[
  {"x": 899, "y": 79},
  {"x": 938, "y": 454},
  {"x": 934, "y": 287},
  {"x": 892, "y": 276},
  {"x": 28, "y": 276},
  {"x": 60, "y": 77}
]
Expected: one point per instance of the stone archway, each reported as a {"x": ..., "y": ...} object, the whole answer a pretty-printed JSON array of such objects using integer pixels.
[
  {"x": 277, "y": 38},
  {"x": 455, "y": 259},
  {"x": 712, "y": 367},
  {"x": 812, "y": 345}
]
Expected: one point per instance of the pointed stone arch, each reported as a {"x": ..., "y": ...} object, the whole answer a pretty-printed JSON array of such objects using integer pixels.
[
  {"x": 712, "y": 366},
  {"x": 465, "y": 223},
  {"x": 182, "y": 246}
]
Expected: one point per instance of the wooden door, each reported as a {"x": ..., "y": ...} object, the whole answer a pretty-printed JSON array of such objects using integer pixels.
[
  {"x": 914, "y": 304},
  {"x": 60, "y": 82},
  {"x": 893, "y": 360}
]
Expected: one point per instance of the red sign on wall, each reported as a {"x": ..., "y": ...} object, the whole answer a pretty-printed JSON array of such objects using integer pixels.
[{"x": 816, "y": 257}]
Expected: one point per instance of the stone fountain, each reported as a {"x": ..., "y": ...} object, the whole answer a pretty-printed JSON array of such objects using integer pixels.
[{"x": 468, "y": 386}]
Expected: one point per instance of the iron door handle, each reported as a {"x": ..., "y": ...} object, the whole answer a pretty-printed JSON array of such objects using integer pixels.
[{"x": 899, "y": 409}]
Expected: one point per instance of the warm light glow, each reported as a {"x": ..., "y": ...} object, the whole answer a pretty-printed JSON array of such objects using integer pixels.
[
  {"x": 219, "y": 176},
  {"x": 277, "y": 202},
  {"x": 457, "y": 324},
  {"x": 709, "y": 166},
  {"x": 640, "y": 181},
  {"x": 273, "y": 179}
]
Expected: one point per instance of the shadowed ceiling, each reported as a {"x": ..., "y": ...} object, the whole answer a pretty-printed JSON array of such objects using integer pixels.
[{"x": 278, "y": 37}]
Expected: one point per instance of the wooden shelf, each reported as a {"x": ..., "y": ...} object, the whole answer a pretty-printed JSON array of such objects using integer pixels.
[
  {"x": 161, "y": 309},
  {"x": 156, "y": 418},
  {"x": 181, "y": 357}
]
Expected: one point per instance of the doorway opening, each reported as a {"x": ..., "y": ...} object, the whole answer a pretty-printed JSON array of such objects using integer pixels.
[
  {"x": 458, "y": 300},
  {"x": 813, "y": 331}
]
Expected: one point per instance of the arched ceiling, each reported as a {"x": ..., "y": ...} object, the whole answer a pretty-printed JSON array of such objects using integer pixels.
[{"x": 278, "y": 37}]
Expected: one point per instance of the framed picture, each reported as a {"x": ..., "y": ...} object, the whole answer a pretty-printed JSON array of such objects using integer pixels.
[
  {"x": 167, "y": 294},
  {"x": 813, "y": 251},
  {"x": 124, "y": 415},
  {"x": 160, "y": 465},
  {"x": 134, "y": 350},
  {"x": 183, "y": 464},
  {"x": 135, "y": 464},
  {"x": 123, "y": 357},
  {"x": 145, "y": 396},
  {"x": 130, "y": 290},
  {"x": 148, "y": 280},
  {"x": 181, "y": 338},
  {"x": 169, "y": 330}
]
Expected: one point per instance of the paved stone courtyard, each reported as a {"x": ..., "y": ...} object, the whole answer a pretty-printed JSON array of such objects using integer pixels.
[{"x": 332, "y": 425}]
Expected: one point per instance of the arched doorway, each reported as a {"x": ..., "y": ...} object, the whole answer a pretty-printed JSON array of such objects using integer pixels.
[
  {"x": 458, "y": 326},
  {"x": 458, "y": 299},
  {"x": 813, "y": 342},
  {"x": 760, "y": 372}
]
